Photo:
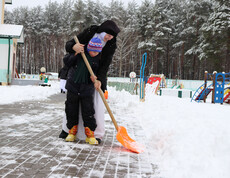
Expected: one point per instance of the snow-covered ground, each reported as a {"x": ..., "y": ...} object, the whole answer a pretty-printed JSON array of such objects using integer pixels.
[
  {"x": 185, "y": 139},
  {"x": 15, "y": 93}
]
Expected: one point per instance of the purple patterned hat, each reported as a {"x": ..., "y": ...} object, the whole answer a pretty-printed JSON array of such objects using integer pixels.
[{"x": 95, "y": 44}]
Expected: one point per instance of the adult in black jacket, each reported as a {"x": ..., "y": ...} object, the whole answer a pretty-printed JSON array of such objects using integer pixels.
[
  {"x": 107, "y": 32},
  {"x": 111, "y": 30}
]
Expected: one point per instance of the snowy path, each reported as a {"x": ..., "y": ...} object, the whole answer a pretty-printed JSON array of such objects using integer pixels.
[{"x": 30, "y": 146}]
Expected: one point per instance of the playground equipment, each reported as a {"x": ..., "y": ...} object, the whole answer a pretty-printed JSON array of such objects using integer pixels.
[
  {"x": 132, "y": 76},
  {"x": 227, "y": 96},
  {"x": 177, "y": 85},
  {"x": 42, "y": 74},
  {"x": 156, "y": 82},
  {"x": 45, "y": 82},
  {"x": 219, "y": 87},
  {"x": 142, "y": 77},
  {"x": 44, "y": 77}
]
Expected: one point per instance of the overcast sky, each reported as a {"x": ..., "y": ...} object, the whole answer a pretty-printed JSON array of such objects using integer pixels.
[{"x": 32, "y": 3}]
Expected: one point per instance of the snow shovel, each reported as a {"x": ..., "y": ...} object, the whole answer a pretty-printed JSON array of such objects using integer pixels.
[{"x": 122, "y": 135}]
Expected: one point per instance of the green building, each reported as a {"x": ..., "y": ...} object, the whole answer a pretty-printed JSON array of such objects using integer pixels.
[{"x": 10, "y": 36}]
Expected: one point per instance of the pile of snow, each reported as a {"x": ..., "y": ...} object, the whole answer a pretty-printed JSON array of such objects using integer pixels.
[
  {"x": 15, "y": 93},
  {"x": 185, "y": 139}
]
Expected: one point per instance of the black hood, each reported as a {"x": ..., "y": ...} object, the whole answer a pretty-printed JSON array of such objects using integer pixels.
[{"x": 109, "y": 27}]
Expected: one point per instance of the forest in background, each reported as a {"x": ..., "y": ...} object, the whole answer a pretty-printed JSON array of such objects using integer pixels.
[{"x": 182, "y": 38}]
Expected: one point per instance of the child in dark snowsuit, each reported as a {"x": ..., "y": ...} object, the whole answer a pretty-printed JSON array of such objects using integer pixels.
[{"x": 80, "y": 91}]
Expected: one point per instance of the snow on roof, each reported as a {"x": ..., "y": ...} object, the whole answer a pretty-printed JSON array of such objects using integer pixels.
[
  {"x": 9, "y": 30},
  {"x": 8, "y": 1}
]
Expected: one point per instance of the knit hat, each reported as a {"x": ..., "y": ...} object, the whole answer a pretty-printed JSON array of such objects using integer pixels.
[{"x": 95, "y": 44}]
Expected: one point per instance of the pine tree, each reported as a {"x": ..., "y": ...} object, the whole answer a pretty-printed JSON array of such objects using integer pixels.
[
  {"x": 132, "y": 25},
  {"x": 216, "y": 35},
  {"x": 145, "y": 31},
  {"x": 78, "y": 20},
  {"x": 197, "y": 15}
]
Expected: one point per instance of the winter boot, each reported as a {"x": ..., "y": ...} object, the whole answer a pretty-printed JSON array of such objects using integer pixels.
[
  {"x": 90, "y": 137},
  {"x": 72, "y": 134},
  {"x": 63, "y": 134}
]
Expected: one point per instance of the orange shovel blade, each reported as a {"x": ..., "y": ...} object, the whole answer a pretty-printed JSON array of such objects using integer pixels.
[{"x": 127, "y": 142}]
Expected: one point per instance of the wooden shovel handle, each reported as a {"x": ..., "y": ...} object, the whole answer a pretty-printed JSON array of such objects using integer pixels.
[{"x": 100, "y": 91}]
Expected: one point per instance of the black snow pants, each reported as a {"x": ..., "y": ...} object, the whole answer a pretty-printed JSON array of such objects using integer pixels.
[{"x": 87, "y": 109}]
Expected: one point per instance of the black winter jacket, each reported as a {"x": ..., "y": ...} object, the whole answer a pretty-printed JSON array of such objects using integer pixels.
[
  {"x": 108, "y": 50},
  {"x": 83, "y": 88},
  {"x": 63, "y": 73}
]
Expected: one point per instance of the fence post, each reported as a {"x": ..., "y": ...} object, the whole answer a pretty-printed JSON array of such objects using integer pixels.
[
  {"x": 180, "y": 94},
  {"x": 205, "y": 84},
  {"x": 214, "y": 86}
]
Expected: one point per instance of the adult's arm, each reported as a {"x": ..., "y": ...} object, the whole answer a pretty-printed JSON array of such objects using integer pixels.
[
  {"x": 106, "y": 59},
  {"x": 83, "y": 38}
]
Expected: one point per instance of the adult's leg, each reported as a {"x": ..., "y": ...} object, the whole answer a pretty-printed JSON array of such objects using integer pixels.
[
  {"x": 81, "y": 130},
  {"x": 65, "y": 130},
  {"x": 64, "y": 122},
  {"x": 99, "y": 115}
]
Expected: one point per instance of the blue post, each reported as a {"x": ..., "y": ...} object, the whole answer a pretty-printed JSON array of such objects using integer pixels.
[
  {"x": 219, "y": 88},
  {"x": 142, "y": 75}
]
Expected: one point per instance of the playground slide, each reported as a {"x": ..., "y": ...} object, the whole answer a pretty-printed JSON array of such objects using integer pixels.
[
  {"x": 152, "y": 88},
  {"x": 200, "y": 93},
  {"x": 227, "y": 96},
  {"x": 220, "y": 93},
  {"x": 227, "y": 93},
  {"x": 153, "y": 84}
]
